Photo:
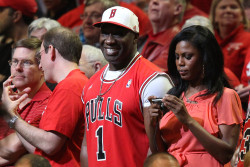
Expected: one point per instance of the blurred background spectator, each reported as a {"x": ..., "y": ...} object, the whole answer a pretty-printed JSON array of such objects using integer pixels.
[
  {"x": 15, "y": 17},
  {"x": 92, "y": 60},
  {"x": 165, "y": 17},
  {"x": 40, "y": 26},
  {"x": 229, "y": 23},
  {"x": 56, "y": 8}
]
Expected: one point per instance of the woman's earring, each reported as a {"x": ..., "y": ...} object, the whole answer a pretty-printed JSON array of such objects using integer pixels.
[{"x": 203, "y": 71}]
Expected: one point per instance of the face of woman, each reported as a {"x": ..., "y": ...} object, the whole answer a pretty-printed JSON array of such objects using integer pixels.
[
  {"x": 188, "y": 62},
  {"x": 228, "y": 13}
]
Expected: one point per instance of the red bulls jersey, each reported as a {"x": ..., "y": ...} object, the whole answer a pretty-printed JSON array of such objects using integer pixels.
[{"x": 115, "y": 129}]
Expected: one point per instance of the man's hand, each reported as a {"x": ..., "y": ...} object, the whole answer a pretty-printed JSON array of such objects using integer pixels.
[{"x": 11, "y": 99}]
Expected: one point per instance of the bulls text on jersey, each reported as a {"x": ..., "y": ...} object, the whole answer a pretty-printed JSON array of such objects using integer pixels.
[{"x": 94, "y": 111}]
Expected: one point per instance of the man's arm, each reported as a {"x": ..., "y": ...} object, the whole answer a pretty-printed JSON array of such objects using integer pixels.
[
  {"x": 30, "y": 148},
  {"x": 84, "y": 154},
  {"x": 158, "y": 87},
  {"x": 11, "y": 149},
  {"x": 49, "y": 142}
]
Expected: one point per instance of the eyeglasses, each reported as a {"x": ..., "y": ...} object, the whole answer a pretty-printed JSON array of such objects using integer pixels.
[
  {"x": 23, "y": 63},
  {"x": 93, "y": 16}
]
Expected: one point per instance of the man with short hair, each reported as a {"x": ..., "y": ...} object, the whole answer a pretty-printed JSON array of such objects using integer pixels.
[
  {"x": 165, "y": 17},
  {"x": 37, "y": 29},
  {"x": 15, "y": 17},
  {"x": 40, "y": 26},
  {"x": 32, "y": 160},
  {"x": 91, "y": 61},
  {"x": 161, "y": 159},
  {"x": 116, "y": 97},
  {"x": 93, "y": 13},
  {"x": 61, "y": 128},
  {"x": 25, "y": 72}
]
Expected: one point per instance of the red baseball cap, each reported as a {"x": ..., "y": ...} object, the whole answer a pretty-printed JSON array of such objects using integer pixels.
[{"x": 27, "y": 7}]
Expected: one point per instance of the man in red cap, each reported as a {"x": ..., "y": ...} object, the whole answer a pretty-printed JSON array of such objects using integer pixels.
[{"x": 15, "y": 17}]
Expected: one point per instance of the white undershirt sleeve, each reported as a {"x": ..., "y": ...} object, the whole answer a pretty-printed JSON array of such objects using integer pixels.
[{"x": 158, "y": 87}]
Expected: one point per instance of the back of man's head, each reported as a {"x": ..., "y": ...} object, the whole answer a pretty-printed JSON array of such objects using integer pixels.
[
  {"x": 92, "y": 53},
  {"x": 65, "y": 41},
  {"x": 32, "y": 160},
  {"x": 41, "y": 23},
  {"x": 92, "y": 60},
  {"x": 161, "y": 159}
]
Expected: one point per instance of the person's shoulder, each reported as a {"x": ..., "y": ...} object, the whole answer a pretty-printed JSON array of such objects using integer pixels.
[
  {"x": 148, "y": 66},
  {"x": 70, "y": 18},
  {"x": 74, "y": 78},
  {"x": 242, "y": 33},
  {"x": 229, "y": 92}
]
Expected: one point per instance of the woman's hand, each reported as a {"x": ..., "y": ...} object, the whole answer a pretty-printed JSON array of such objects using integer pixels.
[
  {"x": 177, "y": 106},
  {"x": 155, "y": 112}
]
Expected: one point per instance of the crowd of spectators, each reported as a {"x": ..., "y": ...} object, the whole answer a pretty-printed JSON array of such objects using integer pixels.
[{"x": 125, "y": 83}]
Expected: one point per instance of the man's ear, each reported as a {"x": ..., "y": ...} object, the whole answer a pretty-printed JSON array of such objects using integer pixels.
[
  {"x": 17, "y": 16},
  {"x": 53, "y": 57},
  {"x": 136, "y": 38},
  {"x": 52, "y": 52},
  {"x": 97, "y": 66},
  {"x": 178, "y": 9}
]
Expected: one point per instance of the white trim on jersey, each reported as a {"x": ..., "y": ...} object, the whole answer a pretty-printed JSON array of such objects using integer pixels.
[{"x": 158, "y": 86}]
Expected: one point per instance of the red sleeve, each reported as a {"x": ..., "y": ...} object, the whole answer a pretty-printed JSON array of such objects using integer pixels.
[
  {"x": 72, "y": 18},
  {"x": 229, "y": 108}
]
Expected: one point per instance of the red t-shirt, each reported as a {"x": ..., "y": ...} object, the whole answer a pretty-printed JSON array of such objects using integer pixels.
[
  {"x": 234, "y": 48},
  {"x": 72, "y": 19},
  {"x": 202, "y": 5},
  {"x": 115, "y": 131},
  {"x": 157, "y": 45},
  {"x": 64, "y": 115},
  {"x": 31, "y": 112}
]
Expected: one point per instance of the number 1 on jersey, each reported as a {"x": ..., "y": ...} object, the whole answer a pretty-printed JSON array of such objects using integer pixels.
[{"x": 101, "y": 154}]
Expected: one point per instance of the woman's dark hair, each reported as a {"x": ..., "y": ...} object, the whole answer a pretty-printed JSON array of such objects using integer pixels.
[{"x": 212, "y": 58}]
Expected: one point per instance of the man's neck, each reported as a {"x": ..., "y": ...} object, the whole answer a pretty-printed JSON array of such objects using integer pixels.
[
  {"x": 162, "y": 26},
  {"x": 63, "y": 69}
]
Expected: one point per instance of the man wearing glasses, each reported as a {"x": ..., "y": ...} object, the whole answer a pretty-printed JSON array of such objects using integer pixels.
[
  {"x": 25, "y": 72},
  {"x": 15, "y": 17},
  {"x": 92, "y": 14},
  {"x": 61, "y": 128}
]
